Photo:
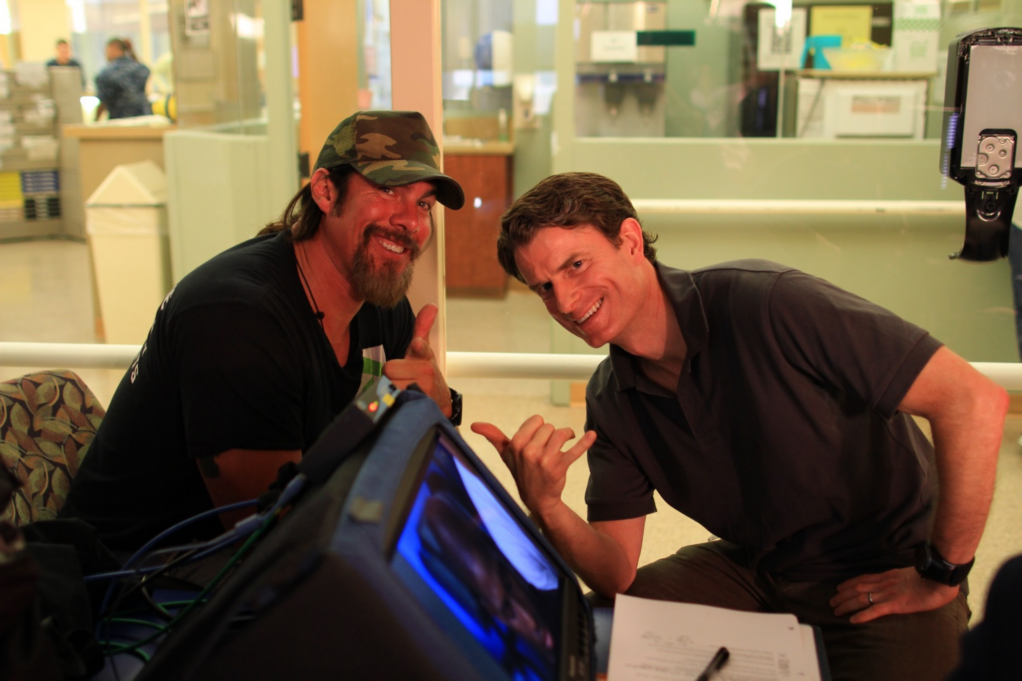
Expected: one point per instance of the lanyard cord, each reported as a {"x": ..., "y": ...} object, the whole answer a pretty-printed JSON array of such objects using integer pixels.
[{"x": 318, "y": 314}]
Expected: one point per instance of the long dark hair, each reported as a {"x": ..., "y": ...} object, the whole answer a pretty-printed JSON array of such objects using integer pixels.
[
  {"x": 300, "y": 220},
  {"x": 124, "y": 45}
]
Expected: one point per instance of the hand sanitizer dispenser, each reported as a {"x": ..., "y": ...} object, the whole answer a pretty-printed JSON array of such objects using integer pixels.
[{"x": 982, "y": 125}]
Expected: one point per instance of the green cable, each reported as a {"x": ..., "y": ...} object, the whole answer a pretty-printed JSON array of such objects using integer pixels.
[
  {"x": 156, "y": 606},
  {"x": 141, "y": 654},
  {"x": 144, "y": 623},
  {"x": 202, "y": 594},
  {"x": 132, "y": 611}
]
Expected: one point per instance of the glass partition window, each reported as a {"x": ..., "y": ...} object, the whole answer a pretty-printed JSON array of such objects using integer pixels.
[
  {"x": 728, "y": 68},
  {"x": 374, "y": 57},
  {"x": 499, "y": 81},
  {"x": 219, "y": 64},
  {"x": 498, "y": 67},
  {"x": 478, "y": 52},
  {"x": 805, "y": 133}
]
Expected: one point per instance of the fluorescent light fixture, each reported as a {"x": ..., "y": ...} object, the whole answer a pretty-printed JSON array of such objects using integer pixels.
[
  {"x": 77, "y": 7},
  {"x": 546, "y": 12},
  {"x": 5, "y": 17},
  {"x": 782, "y": 16},
  {"x": 248, "y": 27}
]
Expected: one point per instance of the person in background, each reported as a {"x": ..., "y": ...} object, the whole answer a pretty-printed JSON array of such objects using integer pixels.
[
  {"x": 120, "y": 86},
  {"x": 64, "y": 58}
]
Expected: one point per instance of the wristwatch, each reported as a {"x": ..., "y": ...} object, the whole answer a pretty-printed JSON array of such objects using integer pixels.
[
  {"x": 931, "y": 565},
  {"x": 455, "y": 418}
]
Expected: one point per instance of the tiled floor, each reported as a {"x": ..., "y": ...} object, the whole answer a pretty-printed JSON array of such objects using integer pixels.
[{"x": 45, "y": 296}]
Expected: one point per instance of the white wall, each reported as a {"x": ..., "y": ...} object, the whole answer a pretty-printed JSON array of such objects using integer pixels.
[{"x": 40, "y": 24}]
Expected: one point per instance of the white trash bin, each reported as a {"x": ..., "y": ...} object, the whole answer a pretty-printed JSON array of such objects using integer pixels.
[{"x": 126, "y": 220}]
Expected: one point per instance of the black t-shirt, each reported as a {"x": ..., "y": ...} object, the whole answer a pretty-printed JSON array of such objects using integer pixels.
[
  {"x": 70, "y": 62},
  {"x": 235, "y": 359},
  {"x": 783, "y": 436}
]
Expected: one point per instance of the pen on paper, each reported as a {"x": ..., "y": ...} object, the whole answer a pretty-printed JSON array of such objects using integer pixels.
[{"x": 718, "y": 661}]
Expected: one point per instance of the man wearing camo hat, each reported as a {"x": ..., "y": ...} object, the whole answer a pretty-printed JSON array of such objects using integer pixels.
[{"x": 252, "y": 354}]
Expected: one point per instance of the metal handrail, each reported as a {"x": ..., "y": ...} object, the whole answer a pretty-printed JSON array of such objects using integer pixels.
[
  {"x": 796, "y": 207},
  {"x": 67, "y": 355},
  {"x": 544, "y": 366}
]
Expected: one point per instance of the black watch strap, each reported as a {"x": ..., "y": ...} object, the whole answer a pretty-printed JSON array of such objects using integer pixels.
[
  {"x": 455, "y": 418},
  {"x": 931, "y": 565}
]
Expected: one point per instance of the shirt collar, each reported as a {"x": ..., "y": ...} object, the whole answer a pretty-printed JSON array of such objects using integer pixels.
[{"x": 684, "y": 296}]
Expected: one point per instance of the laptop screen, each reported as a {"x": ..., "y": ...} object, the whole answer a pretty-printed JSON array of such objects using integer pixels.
[{"x": 478, "y": 574}]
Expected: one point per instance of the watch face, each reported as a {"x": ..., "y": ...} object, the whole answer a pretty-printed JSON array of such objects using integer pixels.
[
  {"x": 930, "y": 568},
  {"x": 932, "y": 565}
]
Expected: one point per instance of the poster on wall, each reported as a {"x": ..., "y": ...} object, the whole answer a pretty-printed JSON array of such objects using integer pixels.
[
  {"x": 853, "y": 24},
  {"x": 197, "y": 17},
  {"x": 916, "y": 38},
  {"x": 780, "y": 49}
]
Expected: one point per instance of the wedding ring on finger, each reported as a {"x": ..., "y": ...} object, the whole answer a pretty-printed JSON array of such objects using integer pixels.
[{"x": 869, "y": 597}]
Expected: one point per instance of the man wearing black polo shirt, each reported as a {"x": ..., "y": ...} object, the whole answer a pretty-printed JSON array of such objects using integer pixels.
[
  {"x": 771, "y": 407},
  {"x": 252, "y": 355}
]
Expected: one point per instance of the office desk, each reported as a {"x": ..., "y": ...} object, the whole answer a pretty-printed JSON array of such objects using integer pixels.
[{"x": 102, "y": 148}]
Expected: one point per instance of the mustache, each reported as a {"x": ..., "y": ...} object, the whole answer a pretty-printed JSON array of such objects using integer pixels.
[{"x": 397, "y": 236}]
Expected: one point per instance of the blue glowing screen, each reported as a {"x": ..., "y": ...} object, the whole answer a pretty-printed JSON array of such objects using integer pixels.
[{"x": 478, "y": 574}]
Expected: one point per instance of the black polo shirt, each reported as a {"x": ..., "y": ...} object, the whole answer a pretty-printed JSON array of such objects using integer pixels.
[{"x": 783, "y": 436}]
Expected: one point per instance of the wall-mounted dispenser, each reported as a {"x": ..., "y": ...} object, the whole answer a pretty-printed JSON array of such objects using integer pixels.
[
  {"x": 620, "y": 80},
  {"x": 982, "y": 125},
  {"x": 525, "y": 101}
]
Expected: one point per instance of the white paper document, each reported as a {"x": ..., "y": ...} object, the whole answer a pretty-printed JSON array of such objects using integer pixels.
[
  {"x": 780, "y": 48},
  {"x": 659, "y": 640}
]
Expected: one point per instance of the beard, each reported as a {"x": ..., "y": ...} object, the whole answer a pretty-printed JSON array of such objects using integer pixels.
[{"x": 383, "y": 284}]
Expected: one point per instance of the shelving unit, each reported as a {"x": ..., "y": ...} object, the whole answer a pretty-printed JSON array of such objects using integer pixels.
[
  {"x": 827, "y": 104},
  {"x": 32, "y": 161}
]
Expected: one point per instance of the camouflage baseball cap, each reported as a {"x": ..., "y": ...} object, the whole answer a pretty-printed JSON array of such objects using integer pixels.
[{"x": 392, "y": 148}]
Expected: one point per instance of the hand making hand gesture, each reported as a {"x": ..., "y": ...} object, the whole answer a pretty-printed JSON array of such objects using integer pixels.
[
  {"x": 419, "y": 364},
  {"x": 537, "y": 460}
]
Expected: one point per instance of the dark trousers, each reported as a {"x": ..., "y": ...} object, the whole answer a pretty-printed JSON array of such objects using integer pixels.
[{"x": 918, "y": 647}]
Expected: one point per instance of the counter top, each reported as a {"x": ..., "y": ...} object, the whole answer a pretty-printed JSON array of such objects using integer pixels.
[
  {"x": 864, "y": 75},
  {"x": 465, "y": 147},
  {"x": 116, "y": 132}
]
